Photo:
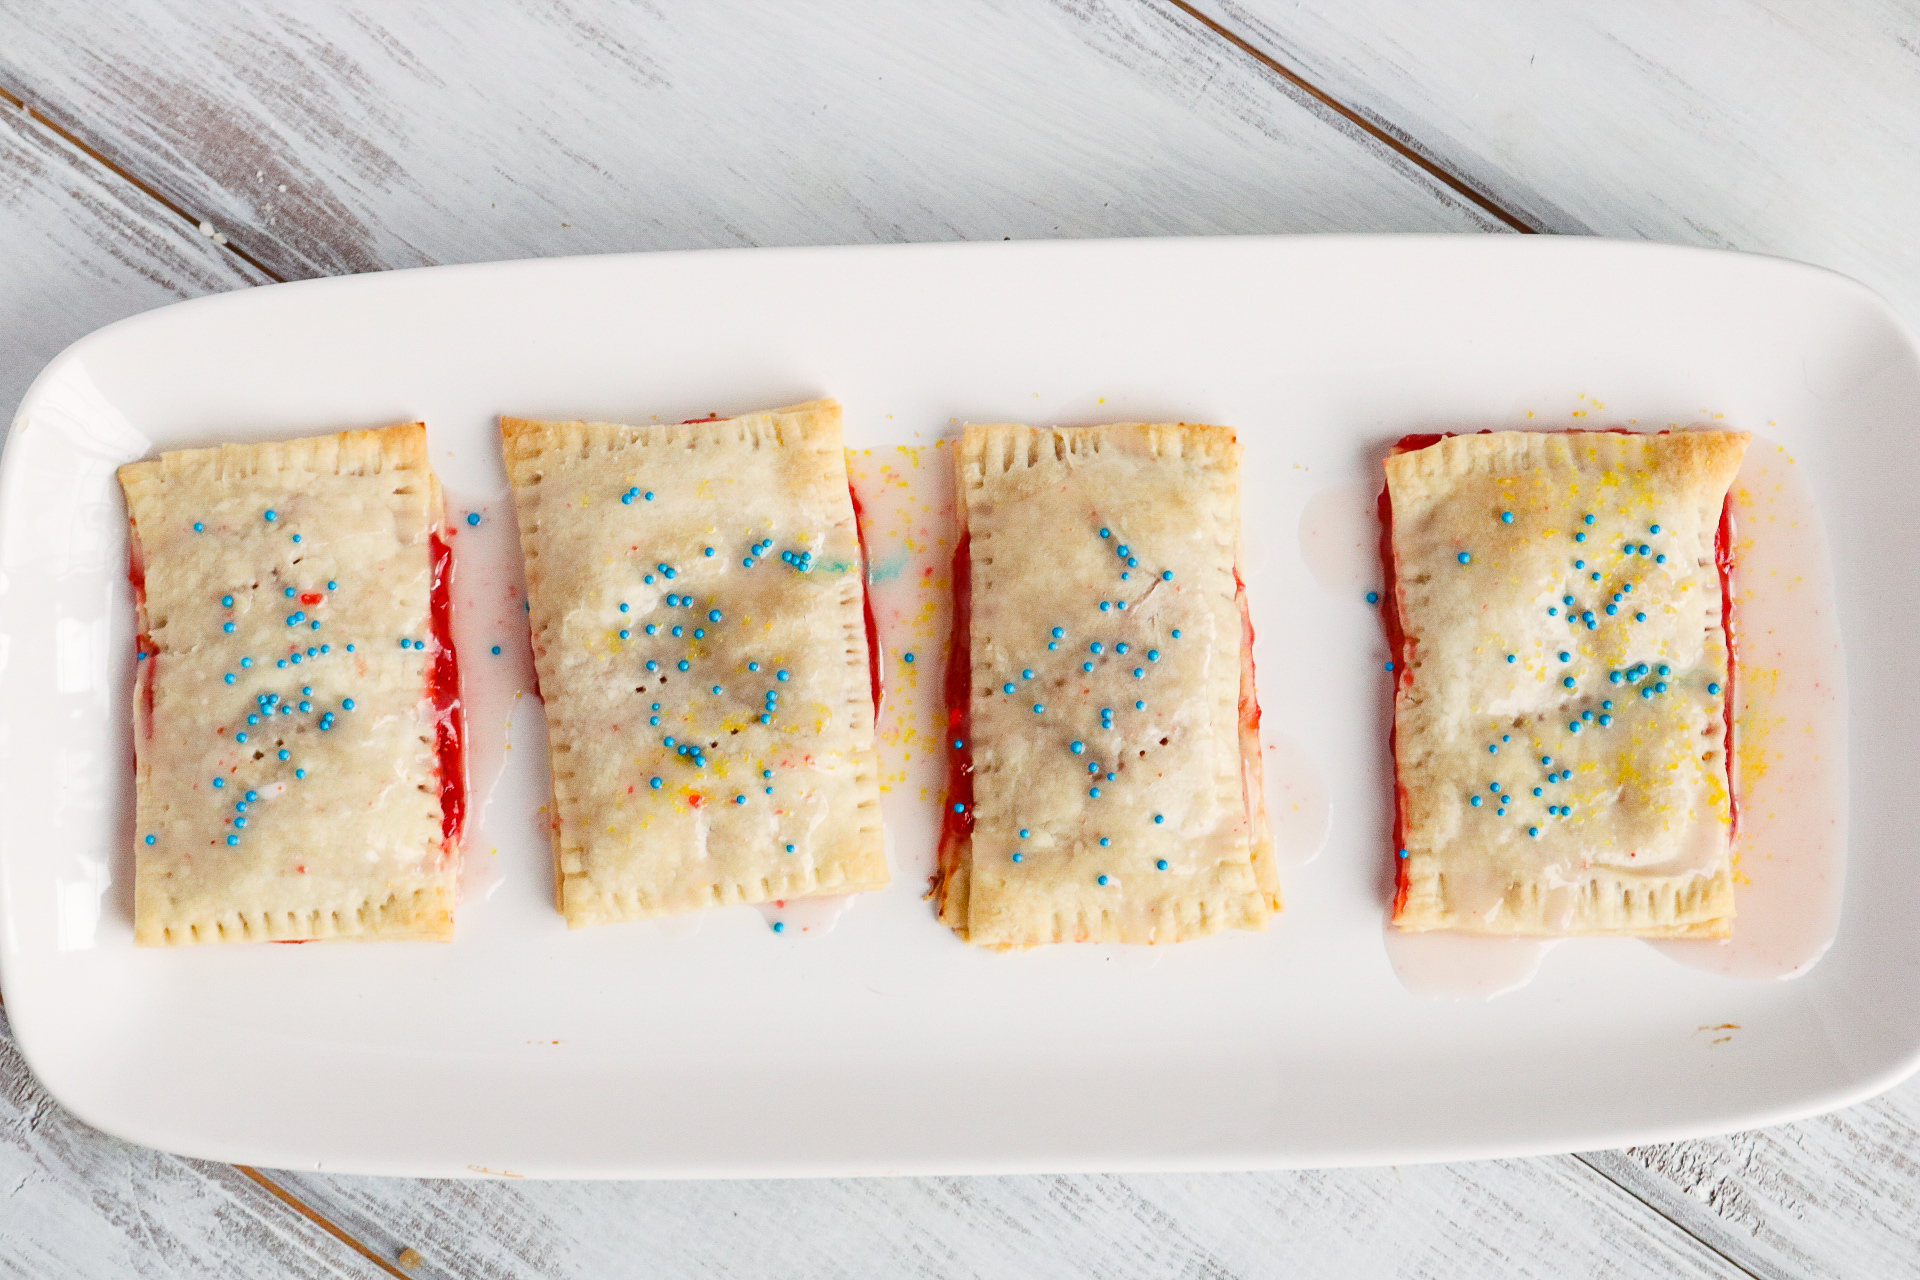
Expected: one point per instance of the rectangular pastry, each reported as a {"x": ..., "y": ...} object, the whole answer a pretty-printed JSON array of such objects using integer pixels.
[
  {"x": 1107, "y": 785},
  {"x": 1562, "y": 740},
  {"x": 699, "y": 631},
  {"x": 296, "y": 702}
]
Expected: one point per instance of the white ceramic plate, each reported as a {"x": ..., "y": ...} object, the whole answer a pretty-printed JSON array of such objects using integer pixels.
[{"x": 885, "y": 1045}]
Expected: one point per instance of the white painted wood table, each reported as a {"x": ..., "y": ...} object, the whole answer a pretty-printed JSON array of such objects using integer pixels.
[{"x": 162, "y": 150}]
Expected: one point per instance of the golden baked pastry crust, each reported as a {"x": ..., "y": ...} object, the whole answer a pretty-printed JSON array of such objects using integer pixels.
[
  {"x": 343, "y": 838},
  {"x": 1560, "y": 732},
  {"x": 1049, "y": 513},
  {"x": 768, "y": 787}
]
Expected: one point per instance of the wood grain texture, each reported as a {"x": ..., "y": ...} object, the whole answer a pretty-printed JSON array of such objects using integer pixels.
[
  {"x": 1546, "y": 1218},
  {"x": 368, "y": 136},
  {"x": 74, "y": 1202},
  {"x": 83, "y": 247},
  {"x": 1766, "y": 125}
]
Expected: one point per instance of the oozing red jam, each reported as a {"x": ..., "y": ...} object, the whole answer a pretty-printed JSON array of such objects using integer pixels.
[
  {"x": 1401, "y": 647},
  {"x": 866, "y": 604},
  {"x": 449, "y": 721},
  {"x": 956, "y": 826}
]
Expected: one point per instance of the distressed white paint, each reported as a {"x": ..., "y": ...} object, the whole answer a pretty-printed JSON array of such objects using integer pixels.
[
  {"x": 410, "y": 133},
  {"x": 1774, "y": 126},
  {"x": 389, "y": 135}
]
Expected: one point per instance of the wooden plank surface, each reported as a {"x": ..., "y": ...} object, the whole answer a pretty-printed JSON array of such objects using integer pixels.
[
  {"x": 1766, "y": 125},
  {"x": 83, "y": 247},
  {"x": 370, "y": 137},
  {"x": 393, "y": 135},
  {"x": 1547, "y": 1218}
]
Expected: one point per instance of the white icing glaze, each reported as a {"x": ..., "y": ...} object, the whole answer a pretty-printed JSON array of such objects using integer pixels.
[{"x": 489, "y": 595}]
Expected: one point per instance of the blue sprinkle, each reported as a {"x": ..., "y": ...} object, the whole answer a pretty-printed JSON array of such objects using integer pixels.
[
  {"x": 790, "y": 848},
  {"x": 747, "y": 563},
  {"x": 709, "y": 550},
  {"x": 327, "y": 648},
  {"x": 655, "y": 783},
  {"x": 1039, "y": 707},
  {"x": 1539, "y": 791},
  {"x": 1606, "y": 706},
  {"x": 1579, "y": 537},
  {"x": 1493, "y": 749},
  {"x": 1161, "y": 865},
  {"x": 654, "y": 721},
  {"x": 656, "y": 706},
  {"x": 1059, "y": 632},
  {"x": 679, "y": 631},
  {"x": 306, "y": 706},
  {"x": 1627, "y": 550},
  {"x": 626, "y": 635},
  {"x": 782, "y": 675},
  {"x": 1660, "y": 686},
  {"x": 1133, "y": 562},
  {"x": 1533, "y": 831},
  {"x": 685, "y": 665},
  {"x": 198, "y": 527},
  {"x": 233, "y": 840},
  {"x": 1176, "y": 633},
  {"x": 1567, "y": 683},
  {"x": 1579, "y": 564},
  {"x": 231, "y": 677},
  {"x": 496, "y": 651},
  {"x": 1139, "y": 672},
  {"x": 1096, "y": 647},
  {"x": 1026, "y": 673},
  {"x": 716, "y": 689},
  {"x": 1644, "y": 548},
  {"x": 1106, "y": 606},
  {"x": 1605, "y": 721},
  {"x": 1104, "y": 842},
  {"x": 285, "y": 754},
  {"x": 1103, "y": 879},
  {"x": 315, "y": 624},
  {"x": 1573, "y": 726},
  {"x": 349, "y": 648},
  {"x": 1565, "y": 656},
  {"x": 281, "y": 663},
  {"x": 1475, "y": 802},
  {"x": 1639, "y": 617},
  {"x": 1121, "y": 647},
  {"x": 219, "y": 782},
  {"x": 652, "y": 665},
  {"x": 1464, "y": 557},
  {"x": 1159, "y": 818},
  {"x": 1166, "y": 575},
  {"x": 272, "y": 516},
  {"x": 1612, "y": 609},
  {"x": 1513, "y": 657},
  {"x": 648, "y": 495},
  {"x": 1020, "y": 857},
  {"x": 779, "y": 926},
  {"x": 1713, "y": 689},
  {"x": 626, "y": 499},
  {"x": 1552, "y": 612},
  {"x": 473, "y": 517},
  {"x": 228, "y": 628},
  {"x": 739, "y": 799},
  {"x": 1373, "y": 597},
  {"x": 239, "y": 737},
  {"x": 648, "y": 580},
  {"x": 1139, "y": 706},
  {"x": 1506, "y": 517},
  {"x": 1660, "y": 559},
  {"x": 1123, "y": 552},
  {"x": 1078, "y": 748},
  {"x": 1086, "y": 666},
  {"x": 1494, "y": 787},
  {"x": 1006, "y": 688},
  {"x": 1664, "y": 669},
  {"x": 1403, "y": 853},
  {"x": 1094, "y": 792}
]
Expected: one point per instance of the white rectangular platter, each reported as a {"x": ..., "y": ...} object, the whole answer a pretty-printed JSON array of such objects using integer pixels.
[{"x": 883, "y": 1044}]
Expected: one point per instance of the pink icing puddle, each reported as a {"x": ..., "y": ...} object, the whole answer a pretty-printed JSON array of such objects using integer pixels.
[
  {"x": 807, "y": 916},
  {"x": 489, "y": 611},
  {"x": 1790, "y": 737},
  {"x": 1463, "y": 966},
  {"x": 1789, "y": 731}
]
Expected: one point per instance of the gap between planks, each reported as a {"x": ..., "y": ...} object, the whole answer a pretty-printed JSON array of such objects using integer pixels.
[
  {"x": 1396, "y": 141},
  {"x": 93, "y": 153},
  {"x": 320, "y": 1220}
]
